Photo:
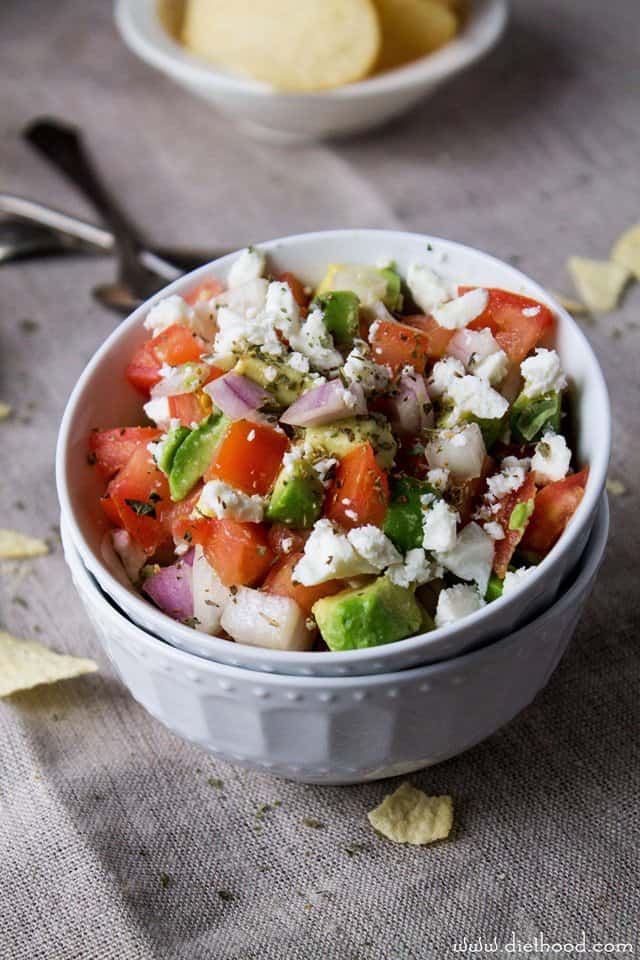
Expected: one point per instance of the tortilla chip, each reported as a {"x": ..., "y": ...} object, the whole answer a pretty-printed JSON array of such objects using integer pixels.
[
  {"x": 626, "y": 250},
  {"x": 24, "y": 664},
  {"x": 412, "y": 29},
  {"x": 575, "y": 307},
  {"x": 599, "y": 282},
  {"x": 5, "y": 411},
  {"x": 410, "y": 816},
  {"x": 18, "y": 546}
]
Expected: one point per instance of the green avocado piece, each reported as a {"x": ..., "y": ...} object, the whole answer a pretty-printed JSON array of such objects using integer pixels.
[
  {"x": 297, "y": 497},
  {"x": 403, "y": 520},
  {"x": 337, "y": 439},
  {"x": 195, "y": 453},
  {"x": 494, "y": 588},
  {"x": 340, "y": 310},
  {"x": 530, "y": 418},
  {"x": 169, "y": 448},
  {"x": 393, "y": 297},
  {"x": 281, "y": 380},
  {"x": 368, "y": 616}
]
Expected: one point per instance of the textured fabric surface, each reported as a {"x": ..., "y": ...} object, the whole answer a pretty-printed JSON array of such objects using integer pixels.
[{"x": 113, "y": 842}]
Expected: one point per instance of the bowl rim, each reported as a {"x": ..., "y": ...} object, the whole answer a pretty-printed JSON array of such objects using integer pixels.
[
  {"x": 280, "y": 658},
  {"x": 142, "y": 31},
  {"x": 589, "y": 565}
]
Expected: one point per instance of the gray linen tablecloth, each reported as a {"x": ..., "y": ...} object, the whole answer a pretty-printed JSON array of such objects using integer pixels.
[{"x": 112, "y": 842}]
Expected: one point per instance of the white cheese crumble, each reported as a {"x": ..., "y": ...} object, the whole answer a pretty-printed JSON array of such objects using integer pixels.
[
  {"x": 427, "y": 287},
  {"x": 415, "y": 570},
  {"x": 513, "y": 579},
  {"x": 472, "y": 556},
  {"x": 461, "y": 451},
  {"x": 457, "y": 313},
  {"x": 531, "y": 311},
  {"x": 510, "y": 478},
  {"x": 249, "y": 265},
  {"x": 166, "y": 313},
  {"x": 492, "y": 368},
  {"x": 551, "y": 458},
  {"x": 220, "y": 500},
  {"x": 157, "y": 410},
  {"x": 360, "y": 368},
  {"x": 328, "y": 555},
  {"x": 457, "y": 602},
  {"x": 298, "y": 361},
  {"x": 474, "y": 395},
  {"x": 315, "y": 342},
  {"x": 372, "y": 544},
  {"x": 443, "y": 374},
  {"x": 177, "y": 380},
  {"x": 495, "y": 530},
  {"x": 542, "y": 373},
  {"x": 439, "y": 527},
  {"x": 323, "y": 468},
  {"x": 438, "y": 477}
]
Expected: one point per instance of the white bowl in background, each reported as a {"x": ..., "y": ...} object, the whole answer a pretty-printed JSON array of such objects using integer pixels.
[
  {"x": 349, "y": 109},
  {"x": 103, "y": 398},
  {"x": 340, "y": 729}
]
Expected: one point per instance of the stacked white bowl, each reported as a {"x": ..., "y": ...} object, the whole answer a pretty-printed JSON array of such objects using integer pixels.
[{"x": 362, "y": 714}]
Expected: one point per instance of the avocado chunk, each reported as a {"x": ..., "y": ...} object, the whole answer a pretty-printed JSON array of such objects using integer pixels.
[
  {"x": 393, "y": 297},
  {"x": 530, "y": 418},
  {"x": 195, "y": 453},
  {"x": 340, "y": 310},
  {"x": 369, "y": 284},
  {"x": 494, "y": 588},
  {"x": 405, "y": 513},
  {"x": 337, "y": 439},
  {"x": 169, "y": 447},
  {"x": 368, "y": 616},
  {"x": 297, "y": 497},
  {"x": 282, "y": 381}
]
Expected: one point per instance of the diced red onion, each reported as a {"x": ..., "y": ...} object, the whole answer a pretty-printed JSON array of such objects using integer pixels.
[
  {"x": 325, "y": 404},
  {"x": 410, "y": 409},
  {"x": 466, "y": 343},
  {"x": 238, "y": 397},
  {"x": 171, "y": 589}
]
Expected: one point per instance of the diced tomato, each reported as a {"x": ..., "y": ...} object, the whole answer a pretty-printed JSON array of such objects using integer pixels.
[
  {"x": 284, "y": 540},
  {"x": 504, "y": 549},
  {"x": 140, "y": 494},
  {"x": 214, "y": 373},
  {"x": 189, "y": 408},
  {"x": 111, "y": 449},
  {"x": 110, "y": 510},
  {"x": 400, "y": 345},
  {"x": 177, "y": 518},
  {"x": 281, "y": 581},
  {"x": 359, "y": 493},
  {"x": 249, "y": 457},
  {"x": 555, "y": 505},
  {"x": 238, "y": 552},
  {"x": 203, "y": 291},
  {"x": 143, "y": 371},
  {"x": 177, "y": 345},
  {"x": 465, "y": 496},
  {"x": 516, "y": 332},
  {"x": 297, "y": 288},
  {"x": 437, "y": 337}
]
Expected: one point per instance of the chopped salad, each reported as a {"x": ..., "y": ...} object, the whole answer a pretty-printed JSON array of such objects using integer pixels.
[{"x": 341, "y": 467}]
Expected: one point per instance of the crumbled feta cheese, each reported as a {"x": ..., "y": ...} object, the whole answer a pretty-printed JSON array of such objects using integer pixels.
[
  {"x": 157, "y": 410},
  {"x": 457, "y": 602},
  {"x": 531, "y": 311},
  {"x": 495, "y": 531},
  {"x": 372, "y": 544},
  {"x": 542, "y": 373},
  {"x": 439, "y": 527},
  {"x": 270, "y": 374},
  {"x": 415, "y": 570},
  {"x": 291, "y": 457},
  {"x": 472, "y": 556},
  {"x": 183, "y": 379},
  {"x": 315, "y": 342},
  {"x": 514, "y": 578},
  {"x": 551, "y": 458},
  {"x": 428, "y": 288},
  {"x": 323, "y": 468},
  {"x": 286, "y": 544},
  {"x": 438, "y": 477},
  {"x": 328, "y": 555},
  {"x": 220, "y": 500},
  {"x": 475, "y": 396},
  {"x": 360, "y": 368},
  {"x": 249, "y": 265},
  {"x": 281, "y": 308},
  {"x": 443, "y": 374},
  {"x": 493, "y": 368},
  {"x": 132, "y": 556},
  {"x": 510, "y": 478},
  {"x": 457, "y": 313},
  {"x": 298, "y": 361},
  {"x": 461, "y": 451},
  {"x": 164, "y": 314},
  {"x": 238, "y": 323}
]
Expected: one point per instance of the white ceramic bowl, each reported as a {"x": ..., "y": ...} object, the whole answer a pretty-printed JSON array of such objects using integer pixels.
[
  {"x": 340, "y": 729},
  {"x": 345, "y": 110},
  {"x": 103, "y": 398}
]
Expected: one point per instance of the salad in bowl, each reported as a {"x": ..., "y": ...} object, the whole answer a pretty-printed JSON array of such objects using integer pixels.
[{"x": 338, "y": 467}]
